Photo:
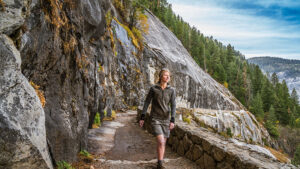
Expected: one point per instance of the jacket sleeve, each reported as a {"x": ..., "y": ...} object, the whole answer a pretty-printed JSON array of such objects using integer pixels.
[
  {"x": 147, "y": 102},
  {"x": 173, "y": 106}
]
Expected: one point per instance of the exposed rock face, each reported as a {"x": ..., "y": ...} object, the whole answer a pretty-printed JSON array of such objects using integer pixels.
[
  {"x": 67, "y": 50},
  {"x": 195, "y": 88},
  {"x": 56, "y": 56},
  {"x": 13, "y": 14},
  {"x": 242, "y": 124},
  {"x": 22, "y": 119}
]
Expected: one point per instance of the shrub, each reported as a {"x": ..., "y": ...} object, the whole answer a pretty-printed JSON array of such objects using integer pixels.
[
  {"x": 113, "y": 114},
  {"x": 143, "y": 20},
  {"x": 272, "y": 129},
  {"x": 187, "y": 120},
  {"x": 105, "y": 113},
  {"x": 225, "y": 84},
  {"x": 296, "y": 159},
  {"x": 85, "y": 153},
  {"x": 97, "y": 119},
  {"x": 228, "y": 132},
  {"x": 108, "y": 18},
  {"x": 64, "y": 165},
  {"x": 297, "y": 122}
]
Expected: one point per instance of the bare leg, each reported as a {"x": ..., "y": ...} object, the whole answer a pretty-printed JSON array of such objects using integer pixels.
[{"x": 161, "y": 142}]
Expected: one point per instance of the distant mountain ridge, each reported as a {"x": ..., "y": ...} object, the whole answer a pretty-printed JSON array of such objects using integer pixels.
[
  {"x": 286, "y": 69},
  {"x": 274, "y": 64}
]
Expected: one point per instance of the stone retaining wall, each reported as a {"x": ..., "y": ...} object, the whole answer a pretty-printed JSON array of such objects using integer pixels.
[{"x": 210, "y": 150}]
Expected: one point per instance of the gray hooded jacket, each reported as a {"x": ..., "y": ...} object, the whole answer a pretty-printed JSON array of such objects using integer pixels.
[{"x": 162, "y": 100}]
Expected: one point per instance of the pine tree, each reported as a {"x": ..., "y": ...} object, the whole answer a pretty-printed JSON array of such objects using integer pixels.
[
  {"x": 271, "y": 123},
  {"x": 294, "y": 96},
  {"x": 267, "y": 94},
  {"x": 257, "y": 107},
  {"x": 257, "y": 80},
  {"x": 292, "y": 119},
  {"x": 274, "y": 79}
]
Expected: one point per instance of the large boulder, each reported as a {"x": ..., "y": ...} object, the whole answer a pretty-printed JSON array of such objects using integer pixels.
[{"x": 22, "y": 120}]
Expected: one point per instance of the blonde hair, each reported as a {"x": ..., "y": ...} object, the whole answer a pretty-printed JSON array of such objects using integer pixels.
[{"x": 162, "y": 72}]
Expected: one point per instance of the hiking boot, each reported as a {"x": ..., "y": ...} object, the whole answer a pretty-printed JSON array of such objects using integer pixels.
[{"x": 160, "y": 165}]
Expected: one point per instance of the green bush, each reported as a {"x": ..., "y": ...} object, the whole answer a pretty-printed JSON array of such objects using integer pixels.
[
  {"x": 85, "y": 153},
  {"x": 228, "y": 132},
  {"x": 296, "y": 159},
  {"x": 297, "y": 122},
  {"x": 272, "y": 129},
  {"x": 97, "y": 119},
  {"x": 187, "y": 120},
  {"x": 64, "y": 165}
]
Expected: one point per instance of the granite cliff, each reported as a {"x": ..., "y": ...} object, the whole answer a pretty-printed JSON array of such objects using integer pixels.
[{"x": 85, "y": 60}]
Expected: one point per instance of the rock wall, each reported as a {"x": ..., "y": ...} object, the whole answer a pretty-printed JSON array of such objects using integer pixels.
[
  {"x": 210, "y": 150},
  {"x": 67, "y": 49},
  {"x": 22, "y": 120},
  {"x": 23, "y": 141}
]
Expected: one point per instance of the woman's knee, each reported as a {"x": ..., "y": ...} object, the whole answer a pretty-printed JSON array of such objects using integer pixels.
[{"x": 161, "y": 141}]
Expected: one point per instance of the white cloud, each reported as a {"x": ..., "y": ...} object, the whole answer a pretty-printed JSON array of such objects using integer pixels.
[{"x": 250, "y": 34}]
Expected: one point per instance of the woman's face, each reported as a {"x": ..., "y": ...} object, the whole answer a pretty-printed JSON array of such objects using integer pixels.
[{"x": 165, "y": 77}]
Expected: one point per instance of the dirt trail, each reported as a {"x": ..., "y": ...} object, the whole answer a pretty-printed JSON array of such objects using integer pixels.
[{"x": 124, "y": 145}]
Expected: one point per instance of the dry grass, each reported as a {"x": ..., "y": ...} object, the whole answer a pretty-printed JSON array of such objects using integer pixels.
[
  {"x": 133, "y": 107},
  {"x": 108, "y": 18},
  {"x": 54, "y": 14},
  {"x": 280, "y": 156},
  {"x": 39, "y": 93},
  {"x": 70, "y": 45},
  {"x": 2, "y": 5},
  {"x": 113, "y": 44},
  {"x": 113, "y": 116},
  {"x": 87, "y": 163},
  {"x": 95, "y": 126},
  {"x": 143, "y": 20}
]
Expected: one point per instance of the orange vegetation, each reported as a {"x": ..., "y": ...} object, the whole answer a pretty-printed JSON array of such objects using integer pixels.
[
  {"x": 2, "y": 5},
  {"x": 39, "y": 93},
  {"x": 280, "y": 156}
]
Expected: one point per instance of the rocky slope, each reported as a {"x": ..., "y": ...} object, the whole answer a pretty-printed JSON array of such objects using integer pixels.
[{"x": 85, "y": 64}]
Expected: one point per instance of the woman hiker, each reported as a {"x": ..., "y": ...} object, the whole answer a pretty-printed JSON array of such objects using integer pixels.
[{"x": 162, "y": 96}]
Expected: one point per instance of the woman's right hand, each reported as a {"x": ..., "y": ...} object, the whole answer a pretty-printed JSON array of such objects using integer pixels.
[{"x": 141, "y": 123}]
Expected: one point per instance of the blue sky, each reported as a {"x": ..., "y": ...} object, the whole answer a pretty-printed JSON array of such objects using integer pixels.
[{"x": 255, "y": 28}]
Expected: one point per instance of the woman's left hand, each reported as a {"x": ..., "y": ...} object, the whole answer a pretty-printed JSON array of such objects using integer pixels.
[{"x": 171, "y": 126}]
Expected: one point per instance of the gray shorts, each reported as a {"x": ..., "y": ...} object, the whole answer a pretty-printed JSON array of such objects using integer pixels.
[{"x": 160, "y": 127}]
